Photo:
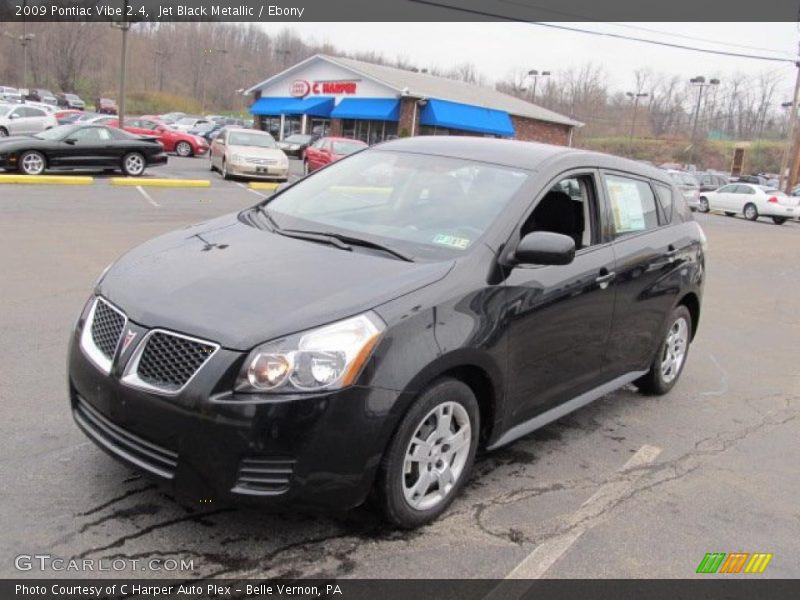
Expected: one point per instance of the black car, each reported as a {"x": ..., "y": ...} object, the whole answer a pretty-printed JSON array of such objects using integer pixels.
[
  {"x": 369, "y": 327},
  {"x": 208, "y": 131},
  {"x": 711, "y": 181},
  {"x": 296, "y": 144},
  {"x": 72, "y": 101},
  {"x": 80, "y": 147}
]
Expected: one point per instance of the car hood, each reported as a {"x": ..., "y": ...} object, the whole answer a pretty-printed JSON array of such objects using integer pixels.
[
  {"x": 239, "y": 286},
  {"x": 256, "y": 152}
]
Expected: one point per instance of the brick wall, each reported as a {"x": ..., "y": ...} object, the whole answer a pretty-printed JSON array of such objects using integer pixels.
[
  {"x": 407, "y": 107},
  {"x": 531, "y": 130}
]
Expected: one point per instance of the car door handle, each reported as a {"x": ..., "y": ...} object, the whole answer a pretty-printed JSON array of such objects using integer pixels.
[{"x": 605, "y": 278}]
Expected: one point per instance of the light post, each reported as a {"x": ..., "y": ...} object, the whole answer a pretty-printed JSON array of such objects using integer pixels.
[
  {"x": 700, "y": 83},
  {"x": 635, "y": 97},
  {"x": 209, "y": 52},
  {"x": 534, "y": 74},
  {"x": 124, "y": 25},
  {"x": 24, "y": 40},
  {"x": 284, "y": 54}
]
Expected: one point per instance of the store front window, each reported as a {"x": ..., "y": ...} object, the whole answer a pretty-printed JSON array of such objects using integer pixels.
[
  {"x": 434, "y": 130},
  {"x": 370, "y": 132},
  {"x": 291, "y": 125},
  {"x": 272, "y": 125},
  {"x": 319, "y": 127}
]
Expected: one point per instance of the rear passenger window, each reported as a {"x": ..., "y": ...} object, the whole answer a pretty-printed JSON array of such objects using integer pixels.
[
  {"x": 665, "y": 201},
  {"x": 633, "y": 206}
]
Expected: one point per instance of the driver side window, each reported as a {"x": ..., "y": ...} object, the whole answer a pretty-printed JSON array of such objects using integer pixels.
[{"x": 570, "y": 208}]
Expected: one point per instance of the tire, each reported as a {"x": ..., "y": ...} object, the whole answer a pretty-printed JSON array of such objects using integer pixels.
[
  {"x": 704, "y": 208},
  {"x": 666, "y": 368},
  {"x": 750, "y": 212},
  {"x": 306, "y": 170},
  {"x": 224, "y": 171},
  {"x": 133, "y": 164},
  {"x": 3, "y": 132},
  {"x": 779, "y": 220},
  {"x": 183, "y": 149},
  {"x": 32, "y": 163},
  {"x": 729, "y": 213},
  {"x": 408, "y": 490}
]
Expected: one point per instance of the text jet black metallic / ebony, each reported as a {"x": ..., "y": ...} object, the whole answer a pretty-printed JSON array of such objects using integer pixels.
[{"x": 367, "y": 329}]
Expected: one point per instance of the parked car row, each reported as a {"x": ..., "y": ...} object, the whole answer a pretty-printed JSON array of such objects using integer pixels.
[{"x": 751, "y": 201}]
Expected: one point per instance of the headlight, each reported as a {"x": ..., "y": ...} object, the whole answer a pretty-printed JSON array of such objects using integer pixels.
[
  {"x": 237, "y": 158},
  {"x": 329, "y": 357},
  {"x": 295, "y": 147}
]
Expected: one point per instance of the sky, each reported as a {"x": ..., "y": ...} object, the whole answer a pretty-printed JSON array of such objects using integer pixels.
[{"x": 497, "y": 48}]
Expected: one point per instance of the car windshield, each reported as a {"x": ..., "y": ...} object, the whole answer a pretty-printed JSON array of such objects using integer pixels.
[
  {"x": 56, "y": 133},
  {"x": 435, "y": 207},
  {"x": 70, "y": 96},
  {"x": 344, "y": 148},
  {"x": 187, "y": 121},
  {"x": 205, "y": 126},
  {"x": 257, "y": 140},
  {"x": 298, "y": 139}
]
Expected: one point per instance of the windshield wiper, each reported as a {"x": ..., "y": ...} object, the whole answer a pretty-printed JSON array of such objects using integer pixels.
[{"x": 354, "y": 241}]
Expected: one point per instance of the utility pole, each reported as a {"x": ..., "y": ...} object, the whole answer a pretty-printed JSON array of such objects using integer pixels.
[
  {"x": 787, "y": 183},
  {"x": 209, "y": 52},
  {"x": 700, "y": 83},
  {"x": 124, "y": 26},
  {"x": 635, "y": 97}
]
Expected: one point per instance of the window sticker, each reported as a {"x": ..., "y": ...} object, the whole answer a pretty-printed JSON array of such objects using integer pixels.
[
  {"x": 451, "y": 240},
  {"x": 626, "y": 204}
]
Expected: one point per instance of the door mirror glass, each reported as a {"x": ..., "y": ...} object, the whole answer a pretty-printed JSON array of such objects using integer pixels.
[
  {"x": 545, "y": 248},
  {"x": 13, "y": 116},
  {"x": 70, "y": 140}
]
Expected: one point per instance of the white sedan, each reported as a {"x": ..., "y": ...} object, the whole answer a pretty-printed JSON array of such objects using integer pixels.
[{"x": 752, "y": 201}]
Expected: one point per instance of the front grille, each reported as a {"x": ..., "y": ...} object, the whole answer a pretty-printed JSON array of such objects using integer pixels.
[
  {"x": 264, "y": 476},
  {"x": 145, "y": 455},
  {"x": 262, "y": 161},
  {"x": 107, "y": 328},
  {"x": 168, "y": 360}
]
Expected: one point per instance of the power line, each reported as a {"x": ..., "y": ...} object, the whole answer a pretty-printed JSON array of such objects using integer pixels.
[{"x": 492, "y": 15}]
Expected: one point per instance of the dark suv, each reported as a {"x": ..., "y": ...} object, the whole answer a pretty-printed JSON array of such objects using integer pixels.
[{"x": 368, "y": 328}]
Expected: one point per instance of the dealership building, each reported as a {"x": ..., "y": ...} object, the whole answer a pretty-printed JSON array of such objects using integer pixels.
[{"x": 329, "y": 95}]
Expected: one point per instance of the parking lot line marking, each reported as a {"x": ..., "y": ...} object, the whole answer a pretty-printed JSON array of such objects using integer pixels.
[
  {"x": 135, "y": 182},
  {"x": 544, "y": 556},
  {"x": 46, "y": 179},
  {"x": 244, "y": 187},
  {"x": 147, "y": 197},
  {"x": 263, "y": 185}
]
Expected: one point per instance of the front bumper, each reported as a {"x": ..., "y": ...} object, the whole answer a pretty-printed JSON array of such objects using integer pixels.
[
  {"x": 307, "y": 450},
  {"x": 259, "y": 171}
]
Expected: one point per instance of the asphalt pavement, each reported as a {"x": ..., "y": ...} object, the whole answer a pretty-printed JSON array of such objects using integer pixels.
[{"x": 630, "y": 486}]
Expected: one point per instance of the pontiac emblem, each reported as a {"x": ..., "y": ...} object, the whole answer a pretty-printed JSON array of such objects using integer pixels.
[{"x": 127, "y": 341}]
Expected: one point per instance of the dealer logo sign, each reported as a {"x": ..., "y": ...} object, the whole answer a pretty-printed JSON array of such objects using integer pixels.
[{"x": 300, "y": 88}]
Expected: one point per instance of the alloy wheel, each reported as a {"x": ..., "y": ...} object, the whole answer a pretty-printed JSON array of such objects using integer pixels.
[
  {"x": 704, "y": 205},
  {"x": 674, "y": 349},
  {"x": 183, "y": 149},
  {"x": 436, "y": 456},
  {"x": 32, "y": 163},
  {"x": 750, "y": 212},
  {"x": 134, "y": 164}
]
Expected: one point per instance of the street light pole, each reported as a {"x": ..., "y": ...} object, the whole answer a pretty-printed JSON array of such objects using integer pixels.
[
  {"x": 792, "y": 145},
  {"x": 700, "y": 83},
  {"x": 534, "y": 74},
  {"x": 209, "y": 52},
  {"x": 635, "y": 97}
]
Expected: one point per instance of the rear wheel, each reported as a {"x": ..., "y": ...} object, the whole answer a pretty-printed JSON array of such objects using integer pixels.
[
  {"x": 668, "y": 363},
  {"x": 430, "y": 455},
  {"x": 704, "y": 205},
  {"x": 133, "y": 164},
  {"x": 779, "y": 220},
  {"x": 750, "y": 212},
  {"x": 183, "y": 149},
  {"x": 32, "y": 163}
]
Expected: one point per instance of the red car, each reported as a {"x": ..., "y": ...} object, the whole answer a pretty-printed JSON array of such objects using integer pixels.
[
  {"x": 182, "y": 144},
  {"x": 329, "y": 149},
  {"x": 106, "y": 106}
]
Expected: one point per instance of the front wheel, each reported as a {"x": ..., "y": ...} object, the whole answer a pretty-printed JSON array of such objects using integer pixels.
[
  {"x": 3, "y": 132},
  {"x": 224, "y": 172},
  {"x": 750, "y": 212},
  {"x": 32, "y": 163},
  {"x": 306, "y": 170},
  {"x": 668, "y": 363},
  {"x": 430, "y": 455},
  {"x": 779, "y": 220},
  {"x": 133, "y": 164},
  {"x": 183, "y": 149},
  {"x": 704, "y": 205}
]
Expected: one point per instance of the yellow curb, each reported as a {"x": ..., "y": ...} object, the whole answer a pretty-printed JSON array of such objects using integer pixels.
[
  {"x": 171, "y": 183},
  {"x": 263, "y": 185},
  {"x": 46, "y": 179}
]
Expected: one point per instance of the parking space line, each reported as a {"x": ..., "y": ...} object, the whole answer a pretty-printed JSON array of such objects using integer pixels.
[
  {"x": 135, "y": 182},
  {"x": 147, "y": 197},
  {"x": 544, "y": 556},
  {"x": 249, "y": 189}
]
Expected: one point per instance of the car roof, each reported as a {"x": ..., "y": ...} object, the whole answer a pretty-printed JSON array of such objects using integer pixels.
[{"x": 518, "y": 154}]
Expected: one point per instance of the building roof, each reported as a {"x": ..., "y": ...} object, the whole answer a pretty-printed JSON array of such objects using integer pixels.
[{"x": 423, "y": 85}]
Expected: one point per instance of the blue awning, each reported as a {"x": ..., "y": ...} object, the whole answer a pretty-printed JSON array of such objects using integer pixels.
[
  {"x": 467, "y": 117},
  {"x": 270, "y": 106},
  {"x": 316, "y": 106},
  {"x": 370, "y": 109}
]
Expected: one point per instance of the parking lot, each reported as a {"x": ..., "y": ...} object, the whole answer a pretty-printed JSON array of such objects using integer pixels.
[{"x": 630, "y": 486}]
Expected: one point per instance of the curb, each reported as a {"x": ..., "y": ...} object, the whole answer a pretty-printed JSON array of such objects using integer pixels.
[
  {"x": 170, "y": 183},
  {"x": 263, "y": 185},
  {"x": 46, "y": 180}
]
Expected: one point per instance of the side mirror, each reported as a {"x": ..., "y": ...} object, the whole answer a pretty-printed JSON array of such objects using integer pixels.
[
  {"x": 13, "y": 116},
  {"x": 70, "y": 141},
  {"x": 545, "y": 248}
]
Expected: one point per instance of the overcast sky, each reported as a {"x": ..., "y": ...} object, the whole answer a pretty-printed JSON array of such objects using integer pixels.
[{"x": 496, "y": 48}]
